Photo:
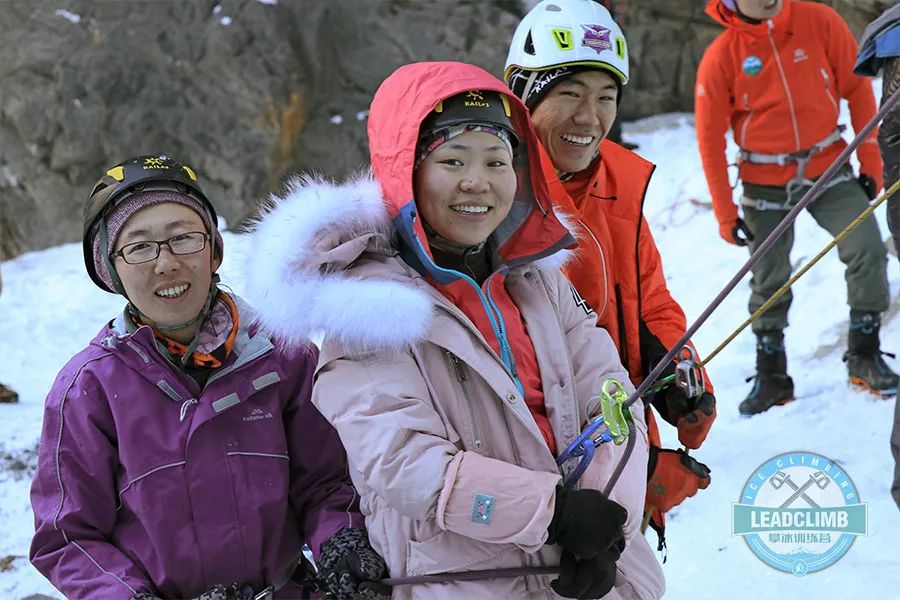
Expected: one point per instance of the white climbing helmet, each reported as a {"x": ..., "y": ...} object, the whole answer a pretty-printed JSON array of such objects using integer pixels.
[{"x": 558, "y": 33}]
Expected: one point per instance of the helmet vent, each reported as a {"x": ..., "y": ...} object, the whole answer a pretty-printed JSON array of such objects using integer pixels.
[
  {"x": 529, "y": 45},
  {"x": 553, "y": 8}
]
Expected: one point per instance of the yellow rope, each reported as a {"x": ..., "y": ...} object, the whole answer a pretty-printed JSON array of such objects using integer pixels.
[{"x": 781, "y": 291}]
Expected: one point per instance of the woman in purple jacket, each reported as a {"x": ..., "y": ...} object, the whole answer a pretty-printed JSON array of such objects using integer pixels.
[{"x": 181, "y": 456}]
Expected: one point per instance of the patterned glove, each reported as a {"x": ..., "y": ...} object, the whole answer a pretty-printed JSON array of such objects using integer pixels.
[
  {"x": 216, "y": 592},
  {"x": 350, "y": 569}
]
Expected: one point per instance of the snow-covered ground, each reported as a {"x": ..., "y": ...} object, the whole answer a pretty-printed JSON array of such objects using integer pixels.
[{"x": 49, "y": 309}]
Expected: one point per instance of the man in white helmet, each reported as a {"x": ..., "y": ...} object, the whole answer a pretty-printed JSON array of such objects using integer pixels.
[{"x": 568, "y": 62}]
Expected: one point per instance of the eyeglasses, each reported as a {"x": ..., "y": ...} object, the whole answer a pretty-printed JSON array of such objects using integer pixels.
[{"x": 183, "y": 243}]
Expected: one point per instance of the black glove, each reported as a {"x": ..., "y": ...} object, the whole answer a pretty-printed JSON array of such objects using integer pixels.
[
  {"x": 868, "y": 185},
  {"x": 350, "y": 569},
  {"x": 746, "y": 236},
  {"x": 591, "y": 578},
  {"x": 216, "y": 592},
  {"x": 585, "y": 522}
]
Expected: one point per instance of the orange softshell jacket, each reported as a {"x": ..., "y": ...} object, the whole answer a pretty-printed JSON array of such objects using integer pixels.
[
  {"x": 618, "y": 269},
  {"x": 778, "y": 84}
]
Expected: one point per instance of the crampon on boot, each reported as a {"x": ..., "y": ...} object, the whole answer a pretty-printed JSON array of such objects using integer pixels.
[
  {"x": 773, "y": 386},
  {"x": 866, "y": 368}
]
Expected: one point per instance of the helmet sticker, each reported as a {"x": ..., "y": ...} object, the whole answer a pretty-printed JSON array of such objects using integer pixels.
[
  {"x": 190, "y": 172},
  {"x": 475, "y": 99},
  {"x": 117, "y": 173},
  {"x": 153, "y": 162},
  {"x": 620, "y": 47},
  {"x": 752, "y": 65},
  {"x": 563, "y": 38},
  {"x": 596, "y": 37}
]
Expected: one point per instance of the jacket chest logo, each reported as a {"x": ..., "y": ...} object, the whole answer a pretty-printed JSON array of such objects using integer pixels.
[
  {"x": 752, "y": 65},
  {"x": 800, "y": 55},
  {"x": 257, "y": 414}
]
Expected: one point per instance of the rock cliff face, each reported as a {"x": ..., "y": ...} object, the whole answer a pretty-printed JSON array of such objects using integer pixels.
[{"x": 250, "y": 92}]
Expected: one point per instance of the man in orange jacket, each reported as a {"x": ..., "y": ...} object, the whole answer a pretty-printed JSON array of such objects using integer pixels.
[
  {"x": 568, "y": 62},
  {"x": 776, "y": 75}
]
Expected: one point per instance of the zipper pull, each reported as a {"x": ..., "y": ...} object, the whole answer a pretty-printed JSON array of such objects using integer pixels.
[
  {"x": 458, "y": 367},
  {"x": 184, "y": 407}
]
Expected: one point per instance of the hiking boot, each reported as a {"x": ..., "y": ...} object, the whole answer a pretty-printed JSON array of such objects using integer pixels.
[
  {"x": 865, "y": 366},
  {"x": 773, "y": 386},
  {"x": 7, "y": 396}
]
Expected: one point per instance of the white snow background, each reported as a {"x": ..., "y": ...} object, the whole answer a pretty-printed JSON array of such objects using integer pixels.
[{"x": 49, "y": 310}]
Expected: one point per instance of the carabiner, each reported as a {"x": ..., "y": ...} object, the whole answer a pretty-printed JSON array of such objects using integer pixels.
[
  {"x": 688, "y": 374},
  {"x": 611, "y": 425}
]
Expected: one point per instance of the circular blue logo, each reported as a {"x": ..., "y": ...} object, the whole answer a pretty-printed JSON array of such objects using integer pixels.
[
  {"x": 752, "y": 65},
  {"x": 799, "y": 513}
]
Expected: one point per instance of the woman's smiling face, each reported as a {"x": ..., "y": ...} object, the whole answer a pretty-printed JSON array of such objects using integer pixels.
[{"x": 465, "y": 187}]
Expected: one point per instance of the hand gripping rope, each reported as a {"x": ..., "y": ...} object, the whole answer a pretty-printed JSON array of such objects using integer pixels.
[{"x": 651, "y": 382}]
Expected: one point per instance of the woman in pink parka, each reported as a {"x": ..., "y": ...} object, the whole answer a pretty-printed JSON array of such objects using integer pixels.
[{"x": 458, "y": 361}]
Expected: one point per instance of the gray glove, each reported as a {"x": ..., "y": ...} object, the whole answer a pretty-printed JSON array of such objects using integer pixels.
[
  {"x": 216, "y": 592},
  {"x": 350, "y": 569}
]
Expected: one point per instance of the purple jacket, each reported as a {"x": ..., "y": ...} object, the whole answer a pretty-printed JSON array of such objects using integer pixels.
[{"x": 145, "y": 482}]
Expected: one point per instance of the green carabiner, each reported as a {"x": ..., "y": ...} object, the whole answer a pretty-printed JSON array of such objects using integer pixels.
[{"x": 612, "y": 407}]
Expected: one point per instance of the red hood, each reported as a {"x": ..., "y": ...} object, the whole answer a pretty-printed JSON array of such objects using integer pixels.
[
  {"x": 730, "y": 19},
  {"x": 531, "y": 231}
]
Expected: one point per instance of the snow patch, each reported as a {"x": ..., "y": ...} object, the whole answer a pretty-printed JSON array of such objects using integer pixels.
[{"x": 67, "y": 15}]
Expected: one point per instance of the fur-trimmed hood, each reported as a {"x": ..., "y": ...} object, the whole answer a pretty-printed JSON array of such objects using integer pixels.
[{"x": 298, "y": 276}]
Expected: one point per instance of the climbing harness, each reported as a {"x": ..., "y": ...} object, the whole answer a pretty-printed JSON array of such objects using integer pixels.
[{"x": 799, "y": 181}]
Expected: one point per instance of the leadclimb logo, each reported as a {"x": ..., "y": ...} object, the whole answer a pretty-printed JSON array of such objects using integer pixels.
[{"x": 799, "y": 512}]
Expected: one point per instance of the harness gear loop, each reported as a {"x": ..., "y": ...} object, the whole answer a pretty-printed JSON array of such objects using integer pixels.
[{"x": 802, "y": 158}]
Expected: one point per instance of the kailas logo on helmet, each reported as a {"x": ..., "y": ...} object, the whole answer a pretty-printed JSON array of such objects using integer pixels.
[
  {"x": 475, "y": 99},
  {"x": 596, "y": 37},
  {"x": 156, "y": 162}
]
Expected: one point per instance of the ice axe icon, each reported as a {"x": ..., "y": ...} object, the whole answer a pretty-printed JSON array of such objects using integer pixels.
[
  {"x": 781, "y": 478},
  {"x": 819, "y": 479}
]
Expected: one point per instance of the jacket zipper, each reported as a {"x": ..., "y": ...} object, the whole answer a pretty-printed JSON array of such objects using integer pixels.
[
  {"x": 784, "y": 82},
  {"x": 505, "y": 348},
  {"x": 603, "y": 266},
  {"x": 746, "y": 122},
  {"x": 462, "y": 377},
  {"x": 828, "y": 90}
]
